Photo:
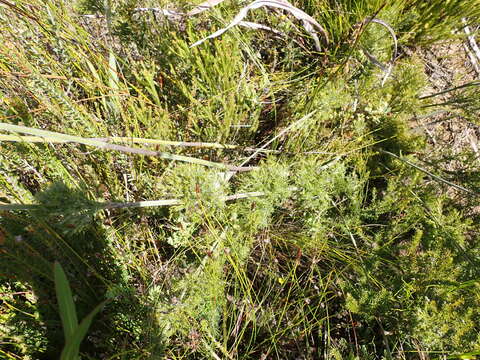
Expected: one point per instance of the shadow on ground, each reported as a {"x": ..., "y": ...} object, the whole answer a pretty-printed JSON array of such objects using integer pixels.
[{"x": 63, "y": 228}]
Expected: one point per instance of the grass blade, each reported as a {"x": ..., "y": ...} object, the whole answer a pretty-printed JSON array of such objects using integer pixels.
[
  {"x": 72, "y": 346},
  {"x": 103, "y": 145},
  {"x": 66, "y": 305}
]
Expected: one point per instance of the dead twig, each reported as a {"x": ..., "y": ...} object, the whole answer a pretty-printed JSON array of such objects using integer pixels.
[
  {"x": 204, "y": 6},
  {"x": 291, "y": 127},
  {"x": 309, "y": 23},
  {"x": 387, "y": 69},
  {"x": 474, "y": 53}
]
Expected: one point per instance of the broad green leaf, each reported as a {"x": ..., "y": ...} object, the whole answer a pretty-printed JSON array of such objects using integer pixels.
[
  {"x": 65, "y": 302},
  {"x": 72, "y": 345},
  {"x": 113, "y": 75}
]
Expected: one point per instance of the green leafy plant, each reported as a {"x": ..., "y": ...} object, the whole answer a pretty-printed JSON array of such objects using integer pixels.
[{"x": 74, "y": 332}]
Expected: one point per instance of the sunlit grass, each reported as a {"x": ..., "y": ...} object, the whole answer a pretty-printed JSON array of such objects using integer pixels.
[{"x": 332, "y": 245}]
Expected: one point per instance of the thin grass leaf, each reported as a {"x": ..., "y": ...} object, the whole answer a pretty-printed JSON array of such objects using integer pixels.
[
  {"x": 112, "y": 74},
  {"x": 66, "y": 306},
  {"x": 469, "y": 355},
  {"x": 468, "y": 84},
  {"x": 20, "y": 11},
  {"x": 114, "y": 85},
  {"x": 433, "y": 176},
  {"x": 17, "y": 207},
  {"x": 132, "y": 140},
  {"x": 72, "y": 346},
  {"x": 118, "y": 139},
  {"x": 106, "y": 146}
]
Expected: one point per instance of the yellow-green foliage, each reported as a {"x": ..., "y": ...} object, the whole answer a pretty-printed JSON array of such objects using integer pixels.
[{"x": 349, "y": 248}]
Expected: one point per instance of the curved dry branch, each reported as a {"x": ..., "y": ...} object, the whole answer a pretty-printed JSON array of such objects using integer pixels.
[
  {"x": 309, "y": 23},
  {"x": 387, "y": 69}
]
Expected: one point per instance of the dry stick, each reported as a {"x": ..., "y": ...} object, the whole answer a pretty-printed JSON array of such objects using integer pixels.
[
  {"x": 199, "y": 9},
  {"x": 165, "y": 12},
  {"x": 471, "y": 39},
  {"x": 386, "y": 69},
  {"x": 433, "y": 176},
  {"x": 309, "y": 23},
  {"x": 204, "y": 6},
  {"x": 126, "y": 149},
  {"x": 138, "y": 204},
  {"x": 256, "y": 26},
  {"x": 171, "y": 202},
  {"x": 472, "y": 58},
  {"x": 474, "y": 47}
]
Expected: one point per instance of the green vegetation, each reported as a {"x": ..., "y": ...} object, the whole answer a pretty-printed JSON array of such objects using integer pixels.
[
  {"x": 73, "y": 331},
  {"x": 307, "y": 215}
]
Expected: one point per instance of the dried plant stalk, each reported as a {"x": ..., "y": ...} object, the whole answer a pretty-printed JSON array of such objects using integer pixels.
[
  {"x": 387, "y": 69},
  {"x": 309, "y": 23}
]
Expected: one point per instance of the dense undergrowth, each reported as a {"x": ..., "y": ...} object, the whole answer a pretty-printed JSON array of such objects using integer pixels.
[{"x": 350, "y": 242}]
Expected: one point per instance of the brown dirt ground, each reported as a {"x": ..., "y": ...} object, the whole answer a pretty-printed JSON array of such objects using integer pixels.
[{"x": 448, "y": 65}]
